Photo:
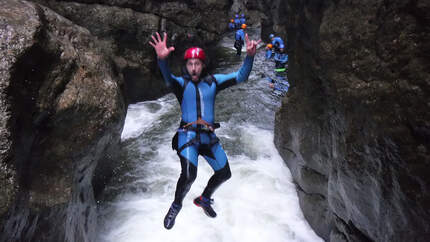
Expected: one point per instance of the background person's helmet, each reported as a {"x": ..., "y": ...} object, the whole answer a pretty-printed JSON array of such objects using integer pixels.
[
  {"x": 232, "y": 20},
  {"x": 270, "y": 46},
  {"x": 271, "y": 36},
  {"x": 237, "y": 15},
  {"x": 243, "y": 26},
  {"x": 195, "y": 52},
  {"x": 243, "y": 15}
]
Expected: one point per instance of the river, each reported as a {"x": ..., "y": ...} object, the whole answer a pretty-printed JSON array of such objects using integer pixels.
[{"x": 258, "y": 204}]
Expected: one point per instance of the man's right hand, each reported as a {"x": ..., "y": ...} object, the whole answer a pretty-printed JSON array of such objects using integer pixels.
[
  {"x": 251, "y": 46},
  {"x": 160, "y": 46}
]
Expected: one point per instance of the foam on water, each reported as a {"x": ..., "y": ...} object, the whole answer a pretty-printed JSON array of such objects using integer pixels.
[{"x": 259, "y": 202}]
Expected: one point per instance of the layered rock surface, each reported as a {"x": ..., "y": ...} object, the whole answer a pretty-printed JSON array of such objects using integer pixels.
[
  {"x": 354, "y": 129},
  {"x": 125, "y": 28},
  {"x": 66, "y": 79},
  {"x": 62, "y": 111}
]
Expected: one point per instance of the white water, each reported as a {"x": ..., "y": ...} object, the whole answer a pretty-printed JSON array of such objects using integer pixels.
[{"x": 258, "y": 204}]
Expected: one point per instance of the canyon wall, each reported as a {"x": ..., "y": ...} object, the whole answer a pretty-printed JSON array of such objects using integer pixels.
[{"x": 354, "y": 128}]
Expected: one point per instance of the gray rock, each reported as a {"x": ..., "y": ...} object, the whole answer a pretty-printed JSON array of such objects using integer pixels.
[
  {"x": 271, "y": 15},
  {"x": 64, "y": 78},
  {"x": 125, "y": 28},
  {"x": 63, "y": 108},
  {"x": 355, "y": 120}
]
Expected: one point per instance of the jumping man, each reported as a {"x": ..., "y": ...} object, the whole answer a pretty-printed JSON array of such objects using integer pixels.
[{"x": 196, "y": 93}]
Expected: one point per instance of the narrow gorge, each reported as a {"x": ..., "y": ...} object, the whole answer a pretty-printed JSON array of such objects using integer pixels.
[{"x": 353, "y": 128}]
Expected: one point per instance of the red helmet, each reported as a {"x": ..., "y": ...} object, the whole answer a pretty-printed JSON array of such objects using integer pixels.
[{"x": 195, "y": 52}]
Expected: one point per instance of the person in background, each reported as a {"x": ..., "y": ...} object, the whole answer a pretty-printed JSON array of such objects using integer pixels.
[
  {"x": 237, "y": 21},
  {"x": 269, "y": 51},
  {"x": 279, "y": 87},
  {"x": 239, "y": 39},
  {"x": 281, "y": 62},
  {"x": 243, "y": 19},
  {"x": 196, "y": 91},
  {"x": 277, "y": 43},
  {"x": 231, "y": 25}
]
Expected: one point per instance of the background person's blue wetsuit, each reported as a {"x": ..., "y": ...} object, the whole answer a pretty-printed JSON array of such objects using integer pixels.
[
  {"x": 239, "y": 37},
  {"x": 281, "y": 60},
  {"x": 280, "y": 86},
  {"x": 237, "y": 21},
  {"x": 269, "y": 53},
  {"x": 243, "y": 19},
  {"x": 278, "y": 44},
  {"x": 231, "y": 26},
  {"x": 197, "y": 100}
]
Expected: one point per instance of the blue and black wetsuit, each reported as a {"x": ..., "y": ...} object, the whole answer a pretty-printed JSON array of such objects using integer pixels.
[
  {"x": 269, "y": 53},
  {"x": 237, "y": 22},
  {"x": 231, "y": 26},
  {"x": 280, "y": 86},
  {"x": 281, "y": 60},
  {"x": 243, "y": 19},
  {"x": 239, "y": 37},
  {"x": 197, "y": 100},
  {"x": 278, "y": 44}
]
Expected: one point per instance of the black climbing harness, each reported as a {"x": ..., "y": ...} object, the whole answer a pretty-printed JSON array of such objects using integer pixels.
[{"x": 201, "y": 127}]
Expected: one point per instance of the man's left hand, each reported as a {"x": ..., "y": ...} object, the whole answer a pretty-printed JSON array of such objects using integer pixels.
[{"x": 251, "y": 46}]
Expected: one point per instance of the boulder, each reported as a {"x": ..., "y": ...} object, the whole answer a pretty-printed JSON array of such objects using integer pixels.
[
  {"x": 354, "y": 128},
  {"x": 62, "y": 110},
  {"x": 125, "y": 27}
]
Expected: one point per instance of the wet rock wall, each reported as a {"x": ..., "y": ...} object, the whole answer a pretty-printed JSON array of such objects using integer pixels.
[
  {"x": 68, "y": 71},
  {"x": 354, "y": 127}
]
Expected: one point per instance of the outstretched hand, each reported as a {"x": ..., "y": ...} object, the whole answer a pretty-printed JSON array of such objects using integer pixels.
[
  {"x": 160, "y": 46},
  {"x": 251, "y": 45}
]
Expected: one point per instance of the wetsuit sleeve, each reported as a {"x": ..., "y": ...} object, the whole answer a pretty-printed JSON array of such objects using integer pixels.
[
  {"x": 168, "y": 77},
  {"x": 280, "y": 43},
  {"x": 227, "y": 80}
]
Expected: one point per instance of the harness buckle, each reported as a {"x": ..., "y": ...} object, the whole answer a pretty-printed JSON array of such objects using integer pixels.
[{"x": 202, "y": 125}]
